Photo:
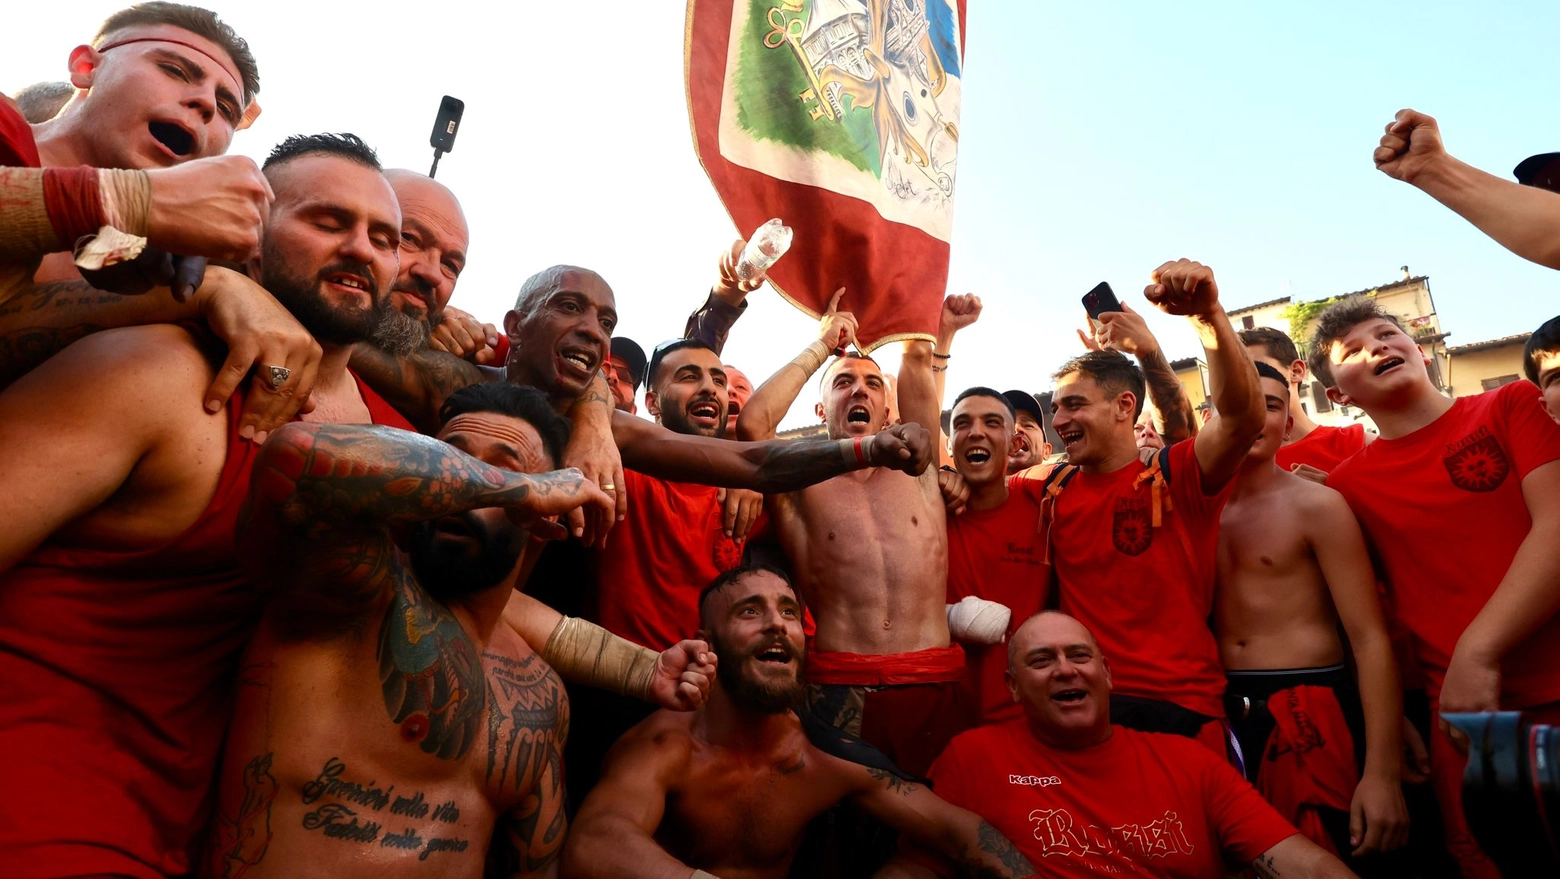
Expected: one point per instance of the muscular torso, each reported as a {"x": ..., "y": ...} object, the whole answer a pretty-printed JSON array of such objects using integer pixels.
[
  {"x": 741, "y": 815},
  {"x": 870, "y": 553},
  {"x": 1273, "y": 609},
  {"x": 392, "y": 749}
]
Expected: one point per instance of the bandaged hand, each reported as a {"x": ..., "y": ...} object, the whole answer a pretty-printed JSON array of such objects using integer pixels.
[{"x": 978, "y": 621}]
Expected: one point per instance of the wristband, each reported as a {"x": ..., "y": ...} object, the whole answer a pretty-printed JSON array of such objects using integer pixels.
[
  {"x": 25, "y": 231},
  {"x": 942, "y": 356},
  {"x": 812, "y": 358},
  {"x": 585, "y": 653},
  {"x": 74, "y": 202},
  {"x": 127, "y": 199}
]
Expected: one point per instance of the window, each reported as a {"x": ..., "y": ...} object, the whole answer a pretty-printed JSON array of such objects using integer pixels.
[
  {"x": 1491, "y": 384},
  {"x": 1248, "y": 322}
]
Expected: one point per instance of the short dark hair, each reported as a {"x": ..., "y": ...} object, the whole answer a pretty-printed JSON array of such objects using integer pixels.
[
  {"x": 1545, "y": 340},
  {"x": 848, "y": 355},
  {"x": 344, "y": 145},
  {"x": 1266, "y": 370},
  {"x": 983, "y": 391},
  {"x": 672, "y": 347},
  {"x": 202, "y": 23},
  {"x": 728, "y": 577},
  {"x": 1113, "y": 371},
  {"x": 1331, "y": 325},
  {"x": 517, "y": 401},
  {"x": 1276, "y": 342}
]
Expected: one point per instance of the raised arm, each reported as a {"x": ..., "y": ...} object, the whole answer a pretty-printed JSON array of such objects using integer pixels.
[
  {"x": 973, "y": 847},
  {"x": 1126, "y": 331},
  {"x": 324, "y": 497},
  {"x": 712, "y": 322},
  {"x": 761, "y": 417},
  {"x": 418, "y": 385},
  {"x": 1378, "y": 815},
  {"x": 614, "y": 830},
  {"x": 43, "y": 318},
  {"x": 1523, "y": 219},
  {"x": 772, "y": 467},
  {"x": 1188, "y": 288},
  {"x": 958, "y": 312},
  {"x": 1527, "y": 598}
]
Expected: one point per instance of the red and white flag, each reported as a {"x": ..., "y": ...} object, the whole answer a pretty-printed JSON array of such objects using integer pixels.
[{"x": 840, "y": 117}]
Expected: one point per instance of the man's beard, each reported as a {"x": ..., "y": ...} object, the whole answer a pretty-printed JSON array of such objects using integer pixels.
[
  {"x": 760, "y": 698},
  {"x": 335, "y": 325},
  {"x": 448, "y": 570},
  {"x": 677, "y": 421},
  {"x": 400, "y": 334}
]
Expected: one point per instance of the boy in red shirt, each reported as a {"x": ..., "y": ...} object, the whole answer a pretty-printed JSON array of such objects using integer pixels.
[
  {"x": 1312, "y": 450},
  {"x": 996, "y": 550},
  {"x": 1081, "y": 797},
  {"x": 1461, "y": 499},
  {"x": 1541, "y": 362},
  {"x": 1133, "y": 545}
]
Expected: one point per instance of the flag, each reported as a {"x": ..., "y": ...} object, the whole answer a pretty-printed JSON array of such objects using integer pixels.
[{"x": 840, "y": 117}]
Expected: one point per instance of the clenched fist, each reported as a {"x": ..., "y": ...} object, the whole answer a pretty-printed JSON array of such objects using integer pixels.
[
  {"x": 1412, "y": 142},
  {"x": 1183, "y": 287},
  {"x": 213, "y": 207},
  {"x": 903, "y": 447}
]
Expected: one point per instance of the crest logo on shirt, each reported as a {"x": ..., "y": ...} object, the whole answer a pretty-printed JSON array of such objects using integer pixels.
[
  {"x": 726, "y": 553},
  {"x": 1131, "y": 527},
  {"x": 1477, "y": 462}
]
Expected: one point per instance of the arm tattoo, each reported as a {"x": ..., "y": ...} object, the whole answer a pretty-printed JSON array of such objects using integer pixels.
[
  {"x": 994, "y": 849},
  {"x": 1265, "y": 866},
  {"x": 791, "y": 465},
  {"x": 528, "y": 717},
  {"x": 1169, "y": 398},
  {"x": 893, "y": 782},
  {"x": 417, "y": 385},
  {"x": 42, "y": 320},
  {"x": 530, "y": 837},
  {"x": 240, "y": 839}
]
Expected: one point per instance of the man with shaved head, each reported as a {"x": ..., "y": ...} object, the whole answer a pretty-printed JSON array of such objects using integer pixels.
[
  {"x": 434, "y": 240},
  {"x": 1086, "y": 798}
]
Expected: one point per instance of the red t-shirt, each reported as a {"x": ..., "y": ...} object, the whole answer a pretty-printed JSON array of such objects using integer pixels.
[
  {"x": 1323, "y": 448},
  {"x": 1140, "y": 804},
  {"x": 17, "y": 147},
  {"x": 659, "y": 559},
  {"x": 999, "y": 555},
  {"x": 1444, "y": 512},
  {"x": 1144, "y": 592}
]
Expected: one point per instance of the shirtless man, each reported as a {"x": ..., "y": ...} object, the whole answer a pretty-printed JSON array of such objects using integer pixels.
[
  {"x": 728, "y": 790},
  {"x": 389, "y": 722},
  {"x": 870, "y": 552},
  {"x": 157, "y": 98},
  {"x": 1292, "y": 566}
]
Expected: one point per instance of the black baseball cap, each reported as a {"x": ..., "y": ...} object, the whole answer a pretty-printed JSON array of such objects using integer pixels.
[
  {"x": 1542, "y": 171},
  {"x": 633, "y": 356},
  {"x": 1023, "y": 401}
]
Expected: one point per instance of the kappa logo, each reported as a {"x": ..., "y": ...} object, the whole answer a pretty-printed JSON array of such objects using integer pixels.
[
  {"x": 1034, "y": 780},
  {"x": 1131, "y": 528},
  {"x": 1477, "y": 462}
]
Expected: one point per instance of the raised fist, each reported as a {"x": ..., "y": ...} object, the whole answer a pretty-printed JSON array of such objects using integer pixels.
[
  {"x": 903, "y": 447},
  {"x": 1412, "y": 141},
  {"x": 1183, "y": 287},
  {"x": 959, "y": 311},
  {"x": 213, "y": 207}
]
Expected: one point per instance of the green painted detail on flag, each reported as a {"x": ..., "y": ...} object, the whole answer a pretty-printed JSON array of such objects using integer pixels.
[{"x": 769, "y": 84}]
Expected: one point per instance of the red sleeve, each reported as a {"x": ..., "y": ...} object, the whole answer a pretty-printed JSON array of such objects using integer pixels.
[
  {"x": 1533, "y": 438},
  {"x": 1244, "y": 823},
  {"x": 1186, "y": 487},
  {"x": 17, "y": 147}
]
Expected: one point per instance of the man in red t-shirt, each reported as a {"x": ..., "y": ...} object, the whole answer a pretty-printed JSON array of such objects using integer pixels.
[
  {"x": 1081, "y": 797},
  {"x": 1461, "y": 501},
  {"x": 1541, "y": 363},
  {"x": 997, "y": 576},
  {"x": 1133, "y": 545},
  {"x": 1312, "y": 450}
]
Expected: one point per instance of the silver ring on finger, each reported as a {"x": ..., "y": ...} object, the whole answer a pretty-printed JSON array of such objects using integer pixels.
[{"x": 277, "y": 375}]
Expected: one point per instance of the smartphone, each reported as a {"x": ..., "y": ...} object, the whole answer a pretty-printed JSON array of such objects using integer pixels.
[
  {"x": 446, "y": 125},
  {"x": 1100, "y": 300}
]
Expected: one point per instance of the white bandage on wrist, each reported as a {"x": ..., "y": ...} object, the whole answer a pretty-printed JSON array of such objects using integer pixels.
[
  {"x": 585, "y": 653},
  {"x": 978, "y": 621},
  {"x": 808, "y": 361},
  {"x": 126, "y": 198}
]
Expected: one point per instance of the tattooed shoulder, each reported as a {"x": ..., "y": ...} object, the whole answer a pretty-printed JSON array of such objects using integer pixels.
[{"x": 430, "y": 674}]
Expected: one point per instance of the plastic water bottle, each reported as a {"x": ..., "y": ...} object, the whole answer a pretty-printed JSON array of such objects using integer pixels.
[{"x": 767, "y": 245}]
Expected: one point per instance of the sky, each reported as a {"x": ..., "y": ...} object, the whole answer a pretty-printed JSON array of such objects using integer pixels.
[{"x": 1097, "y": 140}]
